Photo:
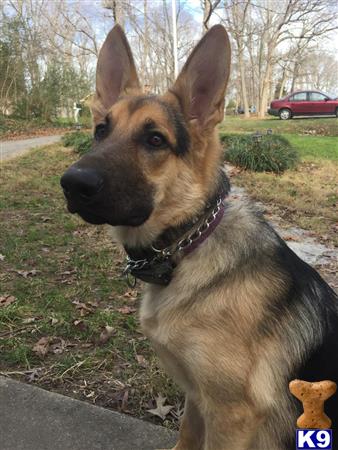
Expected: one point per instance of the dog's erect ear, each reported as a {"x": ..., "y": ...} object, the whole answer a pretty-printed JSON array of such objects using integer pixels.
[
  {"x": 201, "y": 84},
  {"x": 115, "y": 71}
]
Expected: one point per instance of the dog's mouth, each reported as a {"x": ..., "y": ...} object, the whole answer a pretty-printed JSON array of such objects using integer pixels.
[{"x": 134, "y": 219}]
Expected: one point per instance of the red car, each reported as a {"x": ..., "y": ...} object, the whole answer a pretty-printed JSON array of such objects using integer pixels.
[{"x": 304, "y": 103}]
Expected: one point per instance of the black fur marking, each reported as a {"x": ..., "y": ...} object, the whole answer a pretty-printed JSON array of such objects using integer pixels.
[
  {"x": 175, "y": 117},
  {"x": 308, "y": 295},
  {"x": 137, "y": 102},
  {"x": 181, "y": 132}
]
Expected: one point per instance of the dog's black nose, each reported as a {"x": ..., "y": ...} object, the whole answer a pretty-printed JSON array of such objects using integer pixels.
[{"x": 81, "y": 183}]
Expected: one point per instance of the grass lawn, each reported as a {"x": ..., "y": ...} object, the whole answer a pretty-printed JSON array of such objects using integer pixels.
[
  {"x": 67, "y": 320},
  {"x": 321, "y": 126},
  {"x": 308, "y": 195}
]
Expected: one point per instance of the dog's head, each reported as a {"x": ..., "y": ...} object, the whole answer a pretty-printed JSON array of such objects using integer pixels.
[{"x": 154, "y": 158}]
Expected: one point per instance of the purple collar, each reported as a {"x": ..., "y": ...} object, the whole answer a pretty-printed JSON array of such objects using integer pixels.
[
  {"x": 204, "y": 234},
  {"x": 157, "y": 265}
]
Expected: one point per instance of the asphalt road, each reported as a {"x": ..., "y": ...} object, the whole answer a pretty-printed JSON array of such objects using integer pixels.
[{"x": 10, "y": 149}]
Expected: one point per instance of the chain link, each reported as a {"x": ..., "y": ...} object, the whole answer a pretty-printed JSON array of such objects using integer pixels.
[
  {"x": 181, "y": 245},
  {"x": 167, "y": 252}
]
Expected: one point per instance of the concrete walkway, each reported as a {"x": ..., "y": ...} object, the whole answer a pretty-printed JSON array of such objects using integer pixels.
[
  {"x": 10, "y": 149},
  {"x": 34, "y": 419}
]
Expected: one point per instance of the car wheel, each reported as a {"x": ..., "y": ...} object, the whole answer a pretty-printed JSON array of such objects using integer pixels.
[{"x": 285, "y": 114}]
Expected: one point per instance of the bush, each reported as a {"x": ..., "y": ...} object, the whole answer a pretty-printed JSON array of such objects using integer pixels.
[
  {"x": 80, "y": 141},
  {"x": 272, "y": 153}
]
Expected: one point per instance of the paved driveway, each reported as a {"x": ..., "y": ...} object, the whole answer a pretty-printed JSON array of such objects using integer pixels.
[{"x": 9, "y": 149}]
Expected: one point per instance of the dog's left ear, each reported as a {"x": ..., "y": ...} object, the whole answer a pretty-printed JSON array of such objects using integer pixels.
[{"x": 200, "y": 87}]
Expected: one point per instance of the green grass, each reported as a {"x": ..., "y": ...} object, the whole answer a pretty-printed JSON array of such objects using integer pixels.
[
  {"x": 315, "y": 147},
  {"x": 319, "y": 126},
  {"x": 74, "y": 263},
  {"x": 308, "y": 195}
]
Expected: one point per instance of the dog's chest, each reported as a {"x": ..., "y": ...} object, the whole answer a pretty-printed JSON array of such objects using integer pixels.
[{"x": 163, "y": 326}]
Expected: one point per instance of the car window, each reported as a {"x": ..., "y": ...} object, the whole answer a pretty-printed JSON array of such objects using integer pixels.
[
  {"x": 301, "y": 97},
  {"x": 317, "y": 97}
]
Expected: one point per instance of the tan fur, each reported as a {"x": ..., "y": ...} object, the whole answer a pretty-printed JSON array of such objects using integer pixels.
[{"x": 206, "y": 325}]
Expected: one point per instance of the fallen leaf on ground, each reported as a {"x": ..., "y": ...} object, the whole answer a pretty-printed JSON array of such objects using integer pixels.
[
  {"x": 54, "y": 321},
  {"x": 290, "y": 237},
  {"x": 6, "y": 300},
  {"x": 161, "y": 410},
  {"x": 42, "y": 346},
  {"x": 33, "y": 375},
  {"x": 58, "y": 346},
  {"x": 120, "y": 399},
  {"x": 130, "y": 295},
  {"x": 126, "y": 310},
  {"x": 80, "y": 325},
  {"x": 82, "y": 308},
  {"x": 27, "y": 273},
  {"x": 93, "y": 304},
  {"x": 2, "y": 257},
  {"x": 48, "y": 344},
  {"x": 106, "y": 334},
  {"x": 142, "y": 361},
  {"x": 29, "y": 320}
]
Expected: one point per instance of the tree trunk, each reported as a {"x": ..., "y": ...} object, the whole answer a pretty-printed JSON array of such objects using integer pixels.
[
  {"x": 265, "y": 92},
  {"x": 282, "y": 84},
  {"x": 243, "y": 85},
  {"x": 294, "y": 76}
]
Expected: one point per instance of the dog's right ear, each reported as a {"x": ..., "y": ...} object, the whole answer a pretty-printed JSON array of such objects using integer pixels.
[{"x": 115, "y": 71}]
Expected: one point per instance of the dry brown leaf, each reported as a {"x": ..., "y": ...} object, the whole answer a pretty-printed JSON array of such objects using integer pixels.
[
  {"x": 106, "y": 334},
  {"x": 54, "y": 321},
  {"x": 126, "y": 310},
  {"x": 29, "y": 320},
  {"x": 130, "y": 295},
  {"x": 290, "y": 237},
  {"x": 80, "y": 325},
  {"x": 27, "y": 273},
  {"x": 49, "y": 344},
  {"x": 141, "y": 360},
  {"x": 161, "y": 410},
  {"x": 93, "y": 304},
  {"x": 6, "y": 300},
  {"x": 42, "y": 346},
  {"x": 82, "y": 308},
  {"x": 125, "y": 401},
  {"x": 2, "y": 257},
  {"x": 58, "y": 346},
  {"x": 33, "y": 375}
]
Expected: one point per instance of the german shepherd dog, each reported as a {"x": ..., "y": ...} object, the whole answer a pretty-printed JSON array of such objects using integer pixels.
[{"x": 233, "y": 314}]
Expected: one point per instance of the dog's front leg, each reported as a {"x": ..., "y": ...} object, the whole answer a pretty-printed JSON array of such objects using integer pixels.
[
  {"x": 192, "y": 430},
  {"x": 229, "y": 427}
]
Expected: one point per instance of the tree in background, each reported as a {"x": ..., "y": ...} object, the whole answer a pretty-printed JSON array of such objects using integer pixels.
[{"x": 49, "y": 49}]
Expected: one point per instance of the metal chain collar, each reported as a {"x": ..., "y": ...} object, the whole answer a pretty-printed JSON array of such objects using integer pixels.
[{"x": 165, "y": 253}]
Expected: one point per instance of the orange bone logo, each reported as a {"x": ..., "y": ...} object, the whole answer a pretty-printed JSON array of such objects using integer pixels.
[{"x": 313, "y": 396}]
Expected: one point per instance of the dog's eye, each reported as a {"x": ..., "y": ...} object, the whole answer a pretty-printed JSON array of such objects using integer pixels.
[
  {"x": 100, "y": 131},
  {"x": 156, "y": 140}
]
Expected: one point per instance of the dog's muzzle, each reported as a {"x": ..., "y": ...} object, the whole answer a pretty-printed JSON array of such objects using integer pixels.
[{"x": 89, "y": 194}]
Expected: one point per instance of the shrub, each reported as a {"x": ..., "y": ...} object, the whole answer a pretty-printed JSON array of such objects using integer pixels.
[
  {"x": 80, "y": 141},
  {"x": 271, "y": 153}
]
